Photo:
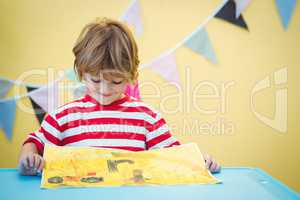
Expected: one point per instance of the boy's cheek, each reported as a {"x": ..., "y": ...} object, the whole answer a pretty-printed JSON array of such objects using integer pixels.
[
  {"x": 123, "y": 88},
  {"x": 92, "y": 88}
]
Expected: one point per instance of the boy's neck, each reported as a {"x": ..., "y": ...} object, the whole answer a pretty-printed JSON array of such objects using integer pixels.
[{"x": 107, "y": 103}]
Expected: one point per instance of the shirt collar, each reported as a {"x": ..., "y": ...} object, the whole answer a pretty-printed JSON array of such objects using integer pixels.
[{"x": 114, "y": 103}]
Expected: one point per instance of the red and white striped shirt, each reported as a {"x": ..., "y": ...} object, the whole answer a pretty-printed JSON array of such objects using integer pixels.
[{"x": 126, "y": 123}]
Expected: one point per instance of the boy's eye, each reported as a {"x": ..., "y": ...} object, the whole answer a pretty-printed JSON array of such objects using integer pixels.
[
  {"x": 117, "y": 83},
  {"x": 96, "y": 81},
  {"x": 114, "y": 82}
]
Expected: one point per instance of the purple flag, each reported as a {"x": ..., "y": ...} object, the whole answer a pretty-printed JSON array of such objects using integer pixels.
[
  {"x": 133, "y": 17},
  {"x": 46, "y": 97},
  {"x": 240, "y": 6},
  {"x": 166, "y": 66}
]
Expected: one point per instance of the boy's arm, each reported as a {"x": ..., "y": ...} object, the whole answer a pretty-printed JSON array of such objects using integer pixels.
[
  {"x": 30, "y": 162},
  {"x": 159, "y": 135}
]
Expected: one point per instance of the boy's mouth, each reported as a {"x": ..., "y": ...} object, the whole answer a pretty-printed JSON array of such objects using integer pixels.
[{"x": 106, "y": 95}]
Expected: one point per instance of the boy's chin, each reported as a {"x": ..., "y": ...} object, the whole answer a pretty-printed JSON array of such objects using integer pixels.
[{"x": 106, "y": 100}]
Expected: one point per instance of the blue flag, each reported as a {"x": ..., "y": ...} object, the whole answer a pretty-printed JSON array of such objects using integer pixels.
[
  {"x": 7, "y": 116},
  {"x": 199, "y": 42},
  {"x": 285, "y": 8},
  {"x": 5, "y": 85}
]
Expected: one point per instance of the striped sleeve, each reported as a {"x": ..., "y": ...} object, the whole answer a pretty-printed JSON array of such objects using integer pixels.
[
  {"x": 48, "y": 133},
  {"x": 159, "y": 135}
]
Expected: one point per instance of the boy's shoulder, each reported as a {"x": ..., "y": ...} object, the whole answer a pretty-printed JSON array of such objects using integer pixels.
[
  {"x": 140, "y": 106},
  {"x": 76, "y": 103}
]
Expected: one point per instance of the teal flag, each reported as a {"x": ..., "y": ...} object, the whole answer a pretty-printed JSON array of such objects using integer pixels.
[
  {"x": 200, "y": 43},
  {"x": 71, "y": 75}
]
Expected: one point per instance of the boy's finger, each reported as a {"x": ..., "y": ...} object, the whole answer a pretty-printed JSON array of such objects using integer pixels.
[
  {"x": 31, "y": 161},
  {"x": 42, "y": 164},
  {"x": 24, "y": 163},
  {"x": 208, "y": 163},
  {"x": 36, "y": 162},
  {"x": 213, "y": 167}
]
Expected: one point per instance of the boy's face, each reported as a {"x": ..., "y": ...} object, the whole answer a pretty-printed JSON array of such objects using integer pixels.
[{"x": 105, "y": 90}]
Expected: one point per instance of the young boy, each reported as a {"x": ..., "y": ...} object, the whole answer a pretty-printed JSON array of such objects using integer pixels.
[{"x": 106, "y": 59}]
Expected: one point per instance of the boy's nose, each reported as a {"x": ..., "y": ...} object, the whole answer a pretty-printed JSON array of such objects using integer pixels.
[{"x": 105, "y": 88}]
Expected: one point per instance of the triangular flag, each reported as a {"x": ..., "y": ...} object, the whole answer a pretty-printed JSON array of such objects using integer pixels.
[
  {"x": 5, "y": 85},
  {"x": 71, "y": 75},
  {"x": 7, "y": 116},
  {"x": 240, "y": 6},
  {"x": 166, "y": 66},
  {"x": 200, "y": 43},
  {"x": 285, "y": 8},
  {"x": 79, "y": 91},
  {"x": 39, "y": 112},
  {"x": 133, "y": 90},
  {"x": 133, "y": 17},
  {"x": 227, "y": 13},
  {"x": 46, "y": 97}
]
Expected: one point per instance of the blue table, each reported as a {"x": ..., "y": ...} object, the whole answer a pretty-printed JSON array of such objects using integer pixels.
[{"x": 237, "y": 183}]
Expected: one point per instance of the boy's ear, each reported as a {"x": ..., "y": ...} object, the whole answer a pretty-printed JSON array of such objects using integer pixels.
[{"x": 83, "y": 77}]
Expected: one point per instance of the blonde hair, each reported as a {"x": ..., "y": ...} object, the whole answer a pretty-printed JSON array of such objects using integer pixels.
[{"x": 106, "y": 45}]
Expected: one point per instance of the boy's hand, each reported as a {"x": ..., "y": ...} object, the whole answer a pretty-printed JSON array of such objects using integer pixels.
[
  {"x": 211, "y": 164},
  {"x": 31, "y": 164}
]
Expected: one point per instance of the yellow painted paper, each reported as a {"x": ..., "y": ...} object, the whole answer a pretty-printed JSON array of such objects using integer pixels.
[{"x": 90, "y": 167}]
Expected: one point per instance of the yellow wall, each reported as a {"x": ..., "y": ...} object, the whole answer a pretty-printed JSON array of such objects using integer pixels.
[{"x": 38, "y": 34}]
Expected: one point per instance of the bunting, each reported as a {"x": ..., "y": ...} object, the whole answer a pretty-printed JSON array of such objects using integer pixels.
[
  {"x": 166, "y": 66},
  {"x": 46, "y": 97},
  {"x": 7, "y": 117},
  {"x": 38, "y": 110},
  {"x": 240, "y": 6},
  {"x": 200, "y": 43},
  {"x": 285, "y": 9},
  {"x": 5, "y": 85},
  {"x": 228, "y": 13},
  {"x": 132, "y": 16},
  {"x": 71, "y": 75},
  {"x": 79, "y": 91}
]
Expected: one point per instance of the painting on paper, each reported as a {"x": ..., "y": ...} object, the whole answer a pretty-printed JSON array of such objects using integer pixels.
[{"x": 93, "y": 167}]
